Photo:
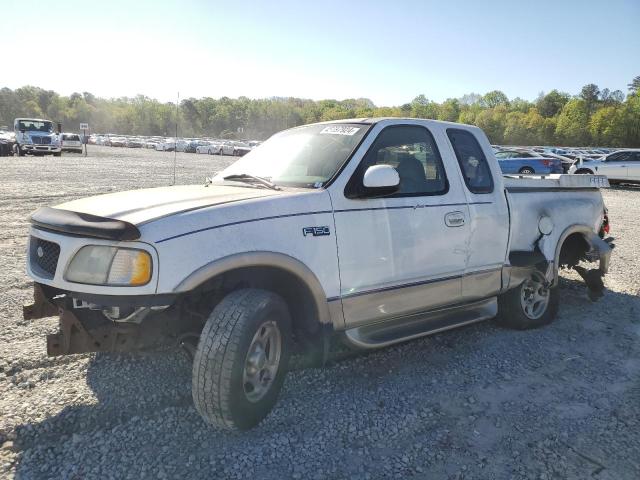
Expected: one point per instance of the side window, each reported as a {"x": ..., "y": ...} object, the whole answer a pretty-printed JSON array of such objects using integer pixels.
[
  {"x": 620, "y": 157},
  {"x": 473, "y": 163},
  {"x": 626, "y": 157},
  {"x": 412, "y": 151},
  {"x": 503, "y": 155}
]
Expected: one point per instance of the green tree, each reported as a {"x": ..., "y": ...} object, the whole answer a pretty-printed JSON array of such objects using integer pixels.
[
  {"x": 449, "y": 110},
  {"x": 493, "y": 122},
  {"x": 591, "y": 95},
  {"x": 573, "y": 122},
  {"x": 634, "y": 86},
  {"x": 551, "y": 104},
  {"x": 495, "y": 98}
]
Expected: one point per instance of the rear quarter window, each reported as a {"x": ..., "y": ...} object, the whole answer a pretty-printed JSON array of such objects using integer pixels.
[{"x": 472, "y": 161}]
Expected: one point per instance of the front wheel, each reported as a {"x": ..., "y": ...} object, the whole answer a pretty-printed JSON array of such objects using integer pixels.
[
  {"x": 530, "y": 305},
  {"x": 527, "y": 171},
  {"x": 241, "y": 359}
]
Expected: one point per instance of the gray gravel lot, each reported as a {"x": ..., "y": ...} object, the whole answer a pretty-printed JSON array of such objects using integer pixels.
[{"x": 478, "y": 402}]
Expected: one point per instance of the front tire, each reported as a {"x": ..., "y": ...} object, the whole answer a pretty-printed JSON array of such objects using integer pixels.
[
  {"x": 241, "y": 359},
  {"x": 532, "y": 304},
  {"x": 527, "y": 171}
]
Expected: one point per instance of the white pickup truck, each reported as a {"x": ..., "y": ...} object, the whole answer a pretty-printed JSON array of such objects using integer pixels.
[{"x": 374, "y": 230}]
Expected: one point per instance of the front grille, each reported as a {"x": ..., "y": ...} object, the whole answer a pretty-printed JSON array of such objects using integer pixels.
[
  {"x": 41, "y": 140},
  {"x": 44, "y": 256}
]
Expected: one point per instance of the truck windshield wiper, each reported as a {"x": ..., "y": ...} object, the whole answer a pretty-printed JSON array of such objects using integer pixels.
[{"x": 245, "y": 177}]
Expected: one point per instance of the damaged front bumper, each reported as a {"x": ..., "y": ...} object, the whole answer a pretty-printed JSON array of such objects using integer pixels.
[{"x": 92, "y": 327}]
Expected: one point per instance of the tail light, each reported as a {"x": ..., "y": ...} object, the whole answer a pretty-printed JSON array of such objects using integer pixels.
[
  {"x": 546, "y": 163},
  {"x": 605, "y": 227}
]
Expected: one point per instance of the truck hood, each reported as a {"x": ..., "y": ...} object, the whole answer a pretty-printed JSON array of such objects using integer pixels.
[{"x": 145, "y": 205}]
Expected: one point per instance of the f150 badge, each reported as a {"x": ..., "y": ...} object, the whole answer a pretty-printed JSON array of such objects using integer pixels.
[{"x": 316, "y": 231}]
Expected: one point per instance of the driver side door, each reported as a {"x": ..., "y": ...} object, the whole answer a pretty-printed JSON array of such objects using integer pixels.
[{"x": 403, "y": 253}]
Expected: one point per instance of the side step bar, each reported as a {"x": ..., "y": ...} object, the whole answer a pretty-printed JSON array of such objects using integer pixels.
[{"x": 421, "y": 324}]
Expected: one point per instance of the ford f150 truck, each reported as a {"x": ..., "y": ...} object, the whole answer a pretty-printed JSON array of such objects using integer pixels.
[
  {"x": 375, "y": 230},
  {"x": 36, "y": 136}
]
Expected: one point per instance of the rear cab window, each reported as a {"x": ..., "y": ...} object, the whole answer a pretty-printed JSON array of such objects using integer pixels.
[{"x": 472, "y": 161}]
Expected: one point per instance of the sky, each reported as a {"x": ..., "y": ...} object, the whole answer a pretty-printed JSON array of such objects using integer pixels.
[{"x": 388, "y": 51}]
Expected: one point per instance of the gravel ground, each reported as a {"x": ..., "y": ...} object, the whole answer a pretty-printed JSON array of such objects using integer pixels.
[{"x": 478, "y": 402}]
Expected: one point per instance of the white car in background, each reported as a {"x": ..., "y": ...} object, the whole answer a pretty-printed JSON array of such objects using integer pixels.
[
  {"x": 622, "y": 166},
  {"x": 71, "y": 142},
  {"x": 208, "y": 148},
  {"x": 182, "y": 144},
  {"x": 227, "y": 148},
  {"x": 168, "y": 145}
]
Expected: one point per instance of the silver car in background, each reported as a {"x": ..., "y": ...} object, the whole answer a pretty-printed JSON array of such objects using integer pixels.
[{"x": 71, "y": 142}]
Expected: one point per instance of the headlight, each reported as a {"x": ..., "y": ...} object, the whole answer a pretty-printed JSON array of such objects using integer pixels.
[{"x": 101, "y": 265}]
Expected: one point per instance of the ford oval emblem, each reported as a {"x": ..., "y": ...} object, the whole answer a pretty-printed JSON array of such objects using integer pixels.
[{"x": 40, "y": 252}]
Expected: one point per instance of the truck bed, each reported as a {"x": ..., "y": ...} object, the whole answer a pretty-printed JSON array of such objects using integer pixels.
[{"x": 567, "y": 200}]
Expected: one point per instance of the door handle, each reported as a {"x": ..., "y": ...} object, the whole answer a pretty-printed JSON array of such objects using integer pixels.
[{"x": 454, "y": 219}]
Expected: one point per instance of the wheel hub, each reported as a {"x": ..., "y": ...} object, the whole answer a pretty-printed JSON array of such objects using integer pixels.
[
  {"x": 262, "y": 361},
  {"x": 534, "y": 296}
]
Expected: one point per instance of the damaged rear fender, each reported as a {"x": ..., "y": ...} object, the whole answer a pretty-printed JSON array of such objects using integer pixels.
[{"x": 551, "y": 247}]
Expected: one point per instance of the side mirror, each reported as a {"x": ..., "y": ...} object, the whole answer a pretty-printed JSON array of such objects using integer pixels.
[{"x": 380, "y": 180}]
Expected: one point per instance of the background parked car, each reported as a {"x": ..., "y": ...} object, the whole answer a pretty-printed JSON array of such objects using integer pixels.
[
  {"x": 226, "y": 148},
  {"x": 71, "y": 142},
  {"x": 192, "y": 146},
  {"x": 527, "y": 162},
  {"x": 118, "y": 141},
  {"x": 168, "y": 145},
  {"x": 7, "y": 140},
  {"x": 133, "y": 142},
  {"x": 566, "y": 161},
  {"x": 622, "y": 166},
  {"x": 181, "y": 145}
]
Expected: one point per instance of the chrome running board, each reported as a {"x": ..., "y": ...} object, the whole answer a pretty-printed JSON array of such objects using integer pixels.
[{"x": 405, "y": 328}]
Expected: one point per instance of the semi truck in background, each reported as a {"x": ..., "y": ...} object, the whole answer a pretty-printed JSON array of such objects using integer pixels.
[{"x": 36, "y": 136}]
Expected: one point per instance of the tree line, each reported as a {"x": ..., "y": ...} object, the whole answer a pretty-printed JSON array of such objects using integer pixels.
[{"x": 592, "y": 117}]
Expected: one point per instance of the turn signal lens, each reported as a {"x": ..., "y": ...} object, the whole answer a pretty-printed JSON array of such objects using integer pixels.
[{"x": 130, "y": 267}]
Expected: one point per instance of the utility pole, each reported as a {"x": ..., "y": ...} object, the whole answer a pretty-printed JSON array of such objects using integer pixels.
[{"x": 175, "y": 143}]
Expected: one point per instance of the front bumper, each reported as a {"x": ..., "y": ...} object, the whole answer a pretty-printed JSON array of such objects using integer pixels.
[
  {"x": 87, "y": 329},
  {"x": 40, "y": 148}
]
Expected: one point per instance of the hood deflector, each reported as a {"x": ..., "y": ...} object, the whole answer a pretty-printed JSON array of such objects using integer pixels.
[{"x": 83, "y": 224}]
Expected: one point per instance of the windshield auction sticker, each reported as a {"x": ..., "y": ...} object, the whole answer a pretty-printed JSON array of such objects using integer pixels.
[{"x": 339, "y": 130}]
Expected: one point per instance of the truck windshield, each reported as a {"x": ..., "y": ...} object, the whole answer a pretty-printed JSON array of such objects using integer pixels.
[
  {"x": 35, "y": 126},
  {"x": 301, "y": 157}
]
